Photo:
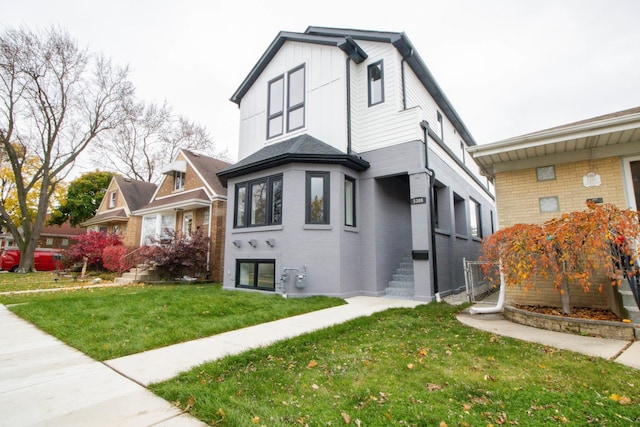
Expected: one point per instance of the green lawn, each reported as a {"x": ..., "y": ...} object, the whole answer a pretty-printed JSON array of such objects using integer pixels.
[
  {"x": 408, "y": 367},
  {"x": 13, "y": 282},
  {"x": 107, "y": 323}
]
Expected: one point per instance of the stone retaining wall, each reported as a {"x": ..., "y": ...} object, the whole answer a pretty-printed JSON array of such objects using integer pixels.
[{"x": 594, "y": 328}]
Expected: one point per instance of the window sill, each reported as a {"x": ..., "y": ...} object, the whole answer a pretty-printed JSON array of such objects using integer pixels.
[
  {"x": 257, "y": 229},
  {"x": 462, "y": 236},
  {"x": 316, "y": 227},
  {"x": 351, "y": 229}
]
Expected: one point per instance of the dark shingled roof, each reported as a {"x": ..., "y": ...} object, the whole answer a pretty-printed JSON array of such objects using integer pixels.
[
  {"x": 136, "y": 193},
  {"x": 208, "y": 168},
  {"x": 301, "y": 149}
]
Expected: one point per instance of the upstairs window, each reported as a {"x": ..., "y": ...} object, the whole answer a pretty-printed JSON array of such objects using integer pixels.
[
  {"x": 113, "y": 199},
  {"x": 276, "y": 107},
  {"x": 178, "y": 180},
  {"x": 258, "y": 202},
  {"x": 375, "y": 76},
  {"x": 441, "y": 125},
  {"x": 295, "y": 97}
]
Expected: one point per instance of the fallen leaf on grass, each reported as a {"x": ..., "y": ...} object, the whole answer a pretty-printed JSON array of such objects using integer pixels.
[
  {"x": 190, "y": 402},
  {"x": 345, "y": 417},
  {"x": 312, "y": 364}
]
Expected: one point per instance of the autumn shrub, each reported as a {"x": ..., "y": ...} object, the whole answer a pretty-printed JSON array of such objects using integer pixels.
[
  {"x": 112, "y": 258},
  {"x": 184, "y": 254},
  {"x": 90, "y": 246},
  {"x": 575, "y": 248}
]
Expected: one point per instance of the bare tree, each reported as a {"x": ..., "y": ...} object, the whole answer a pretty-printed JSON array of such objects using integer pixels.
[
  {"x": 55, "y": 99},
  {"x": 147, "y": 140}
]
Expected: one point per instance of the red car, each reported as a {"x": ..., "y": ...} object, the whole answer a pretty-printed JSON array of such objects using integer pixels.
[{"x": 43, "y": 259}]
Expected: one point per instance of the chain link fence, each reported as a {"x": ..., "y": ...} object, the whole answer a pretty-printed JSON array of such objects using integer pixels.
[{"x": 479, "y": 287}]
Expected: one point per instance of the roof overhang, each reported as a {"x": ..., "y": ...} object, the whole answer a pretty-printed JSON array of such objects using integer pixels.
[
  {"x": 611, "y": 135},
  {"x": 187, "y": 201}
]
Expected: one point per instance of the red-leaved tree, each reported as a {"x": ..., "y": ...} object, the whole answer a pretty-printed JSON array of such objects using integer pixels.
[
  {"x": 90, "y": 246},
  {"x": 575, "y": 248}
]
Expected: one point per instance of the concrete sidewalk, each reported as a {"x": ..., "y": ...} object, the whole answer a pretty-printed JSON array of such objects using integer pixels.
[
  {"x": 44, "y": 382},
  {"x": 164, "y": 363},
  {"x": 621, "y": 351}
]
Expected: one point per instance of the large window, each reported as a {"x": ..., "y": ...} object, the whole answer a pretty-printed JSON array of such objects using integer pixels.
[
  {"x": 375, "y": 76},
  {"x": 317, "y": 198},
  {"x": 295, "y": 97},
  {"x": 256, "y": 274},
  {"x": 157, "y": 226},
  {"x": 276, "y": 107},
  {"x": 349, "y": 201},
  {"x": 258, "y": 202}
]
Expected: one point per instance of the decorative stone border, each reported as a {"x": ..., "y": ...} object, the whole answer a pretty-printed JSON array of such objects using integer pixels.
[{"x": 593, "y": 328}]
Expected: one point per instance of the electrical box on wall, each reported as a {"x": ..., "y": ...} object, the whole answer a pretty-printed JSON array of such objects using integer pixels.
[{"x": 420, "y": 255}]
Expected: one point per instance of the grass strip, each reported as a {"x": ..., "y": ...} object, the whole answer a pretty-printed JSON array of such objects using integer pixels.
[{"x": 113, "y": 322}]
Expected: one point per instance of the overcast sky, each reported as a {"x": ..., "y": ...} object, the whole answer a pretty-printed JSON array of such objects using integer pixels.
[{"x": 508, "y": 67}]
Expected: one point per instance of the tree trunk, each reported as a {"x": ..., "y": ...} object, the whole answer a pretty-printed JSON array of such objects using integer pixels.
[{"x": 565, "y": 296}]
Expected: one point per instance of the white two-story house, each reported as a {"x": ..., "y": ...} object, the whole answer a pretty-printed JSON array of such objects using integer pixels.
[{"x": 353, "y": 177}]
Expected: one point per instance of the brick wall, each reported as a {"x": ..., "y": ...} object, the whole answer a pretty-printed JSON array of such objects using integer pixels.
[{"x": 518, "y": 192}]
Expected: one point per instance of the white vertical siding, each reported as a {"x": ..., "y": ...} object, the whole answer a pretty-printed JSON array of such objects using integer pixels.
[{"x": 325, "y": 97}]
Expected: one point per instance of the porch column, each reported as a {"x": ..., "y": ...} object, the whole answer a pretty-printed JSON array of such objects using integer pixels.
[{"x": 420, "y": 234}]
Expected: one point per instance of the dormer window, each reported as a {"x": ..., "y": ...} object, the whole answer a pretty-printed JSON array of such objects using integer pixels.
[
  {"x": 375, "y": 76},
  {"x": 295, "y": 96},
  {"x": 178, "y": 180}
]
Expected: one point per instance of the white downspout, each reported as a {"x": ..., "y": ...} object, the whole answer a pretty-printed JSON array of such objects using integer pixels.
[{"x": 498, "y": 307}]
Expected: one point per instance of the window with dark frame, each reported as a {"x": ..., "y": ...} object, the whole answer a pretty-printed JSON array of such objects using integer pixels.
[
  {"x": 275, "y": 115},
  {"x": 256, "y": 274},
  {"x": 441, "y": 125},
  {"x": 295, "y": 99},
  {"x": 349, "y": 201},
  {"x": 258, "y": 202},
  {"x": 375, "y": 76},
  {"x": 475, "y": 219},
  {"x": 295, "y": 102},
  {"x": 317, "y": 198}
]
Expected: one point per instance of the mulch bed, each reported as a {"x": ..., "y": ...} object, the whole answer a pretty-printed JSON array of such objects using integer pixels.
[{"x": 577, "y": 312}]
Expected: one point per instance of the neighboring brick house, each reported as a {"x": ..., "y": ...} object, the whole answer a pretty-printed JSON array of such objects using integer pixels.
[
  {"x": 541, "y": 175},
  {"x": 189, "y": 197},
  {"x": 114, "y": 215},
  {"x": 59, "y": 236},
  {"x": 353, "y": 177}
]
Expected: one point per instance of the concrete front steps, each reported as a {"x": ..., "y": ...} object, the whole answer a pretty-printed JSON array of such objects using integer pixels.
[
  {"x": 139, "y": 274},
  {"x": 629, "y": 302},
  {"x": 402, "y": 282}
]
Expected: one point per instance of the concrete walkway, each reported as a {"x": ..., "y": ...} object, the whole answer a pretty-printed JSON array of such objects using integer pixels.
[
  {"x": 44, "y": 382},
  {"x": 621, "y": 351}
]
